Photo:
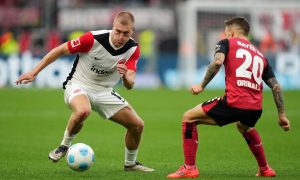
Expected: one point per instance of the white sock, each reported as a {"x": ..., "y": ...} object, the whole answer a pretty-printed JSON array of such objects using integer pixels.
[
  {"x": 67, "y": 140},
  {"x": 130, "y": 156}
]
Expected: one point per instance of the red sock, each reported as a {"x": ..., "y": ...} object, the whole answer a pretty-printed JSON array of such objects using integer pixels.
[
  {"x": 190, "y": 143},
  {"x": 255, "y": 144}
]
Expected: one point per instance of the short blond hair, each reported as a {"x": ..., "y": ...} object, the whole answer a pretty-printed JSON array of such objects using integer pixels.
[{"x": 125, "y": 17}]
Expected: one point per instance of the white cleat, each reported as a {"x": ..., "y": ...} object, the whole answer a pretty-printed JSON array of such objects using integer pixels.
[
  {"x": 58, "y": 153},
  {"x": 138, "y": 167}
]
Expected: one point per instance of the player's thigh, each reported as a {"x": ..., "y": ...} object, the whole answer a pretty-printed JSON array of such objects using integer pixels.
[
  {"x": 127, "y": 117},
  {"x": 242, "y": 128},
  {"x": 107, "y": 103},
  {"x": 197, "y": 115},
  {"x": 80, "y": 103},
  {"x": 77, "y": 98}
]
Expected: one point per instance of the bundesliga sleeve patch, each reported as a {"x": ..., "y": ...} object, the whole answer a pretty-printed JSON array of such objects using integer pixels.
[
  {"x": 75, "y": 43},
  {"x": 218, "y": 47}
]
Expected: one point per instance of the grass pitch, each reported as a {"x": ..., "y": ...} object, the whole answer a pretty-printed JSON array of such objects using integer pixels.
[{"x": 32, "y": 122}]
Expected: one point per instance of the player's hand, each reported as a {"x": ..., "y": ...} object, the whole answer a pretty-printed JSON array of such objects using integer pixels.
[
  {"x": 122, "y": 68},
  {"x": 196, "y": 89},
  {"x": 284, "y": 123},
  {"x": 25, "y": 78}
]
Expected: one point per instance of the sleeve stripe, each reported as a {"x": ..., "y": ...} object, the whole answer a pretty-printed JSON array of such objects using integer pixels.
[{"x": 132, "y": 61}]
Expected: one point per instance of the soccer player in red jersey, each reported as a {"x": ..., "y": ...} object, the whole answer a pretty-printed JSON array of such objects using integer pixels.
[
  {"x": 103, "y": 58},
  {"x": 245, "y": 70}
]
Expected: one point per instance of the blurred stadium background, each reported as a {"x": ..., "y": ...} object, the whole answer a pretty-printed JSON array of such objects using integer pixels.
[{"x": 177, "y": 37}]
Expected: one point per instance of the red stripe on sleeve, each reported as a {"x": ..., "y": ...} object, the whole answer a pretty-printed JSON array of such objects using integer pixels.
[
  {"x": 132, "y": 61},
  {"x": 82, "y": 44}
]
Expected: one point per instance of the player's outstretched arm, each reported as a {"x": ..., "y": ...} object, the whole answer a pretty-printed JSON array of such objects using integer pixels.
[
  {"x": 47, "y": 59},
  {"x": 278, "y": 98},
  {"x": 212, "y": 70}
]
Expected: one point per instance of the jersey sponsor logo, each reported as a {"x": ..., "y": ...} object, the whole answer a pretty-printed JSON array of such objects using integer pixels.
[
  {"x": 75, "y": 43},
  {"x": 101, "y": 72}
]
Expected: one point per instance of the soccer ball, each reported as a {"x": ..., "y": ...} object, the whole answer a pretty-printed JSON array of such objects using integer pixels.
[{"x": 80, "y": 157}]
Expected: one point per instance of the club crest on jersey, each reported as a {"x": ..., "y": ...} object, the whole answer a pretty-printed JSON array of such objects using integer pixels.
[
  {"x": 122, "y": 61},
  {"x": 75, "y": 42}
]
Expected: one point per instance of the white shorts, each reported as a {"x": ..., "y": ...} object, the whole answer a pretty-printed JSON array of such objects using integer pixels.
[{"x": 105, "y": 102}]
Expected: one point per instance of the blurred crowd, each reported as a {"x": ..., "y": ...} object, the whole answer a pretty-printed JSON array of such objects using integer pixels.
[
  {"x": 33, "y": 24},
  {"x": 22, "y": 39},
  {"x": 25, "y": 25}
]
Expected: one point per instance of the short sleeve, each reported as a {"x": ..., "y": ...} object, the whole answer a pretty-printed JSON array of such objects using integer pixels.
[
  {"x": 82, "y": 44},
  {"x": 132, "y": 61},
  {"x": 222, "y": 47},
  {"x": 268, "y": 72}
]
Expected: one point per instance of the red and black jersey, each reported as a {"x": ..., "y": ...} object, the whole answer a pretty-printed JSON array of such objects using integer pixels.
[{"x": 245, "y": 70}]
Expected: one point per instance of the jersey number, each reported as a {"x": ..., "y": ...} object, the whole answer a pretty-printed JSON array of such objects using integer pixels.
[{"x": 257, "y": 66}]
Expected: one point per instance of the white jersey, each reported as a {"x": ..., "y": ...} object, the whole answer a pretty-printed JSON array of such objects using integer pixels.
[{"x": 95, "y": 66}]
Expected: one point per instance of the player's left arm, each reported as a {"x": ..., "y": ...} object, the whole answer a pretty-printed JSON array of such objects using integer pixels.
[
  {"x": 272, "y": 82},
  {"x": 128, "y": 70},
  {"x": 128, "y": 76},
  {"x": 129, "y": 79}
]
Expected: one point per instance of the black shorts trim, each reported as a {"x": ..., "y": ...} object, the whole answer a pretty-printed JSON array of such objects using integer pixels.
[{"x": 223, "y": 114}]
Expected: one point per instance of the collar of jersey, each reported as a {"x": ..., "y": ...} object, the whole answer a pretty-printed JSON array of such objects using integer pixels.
[{"x": 111, "y": 44}]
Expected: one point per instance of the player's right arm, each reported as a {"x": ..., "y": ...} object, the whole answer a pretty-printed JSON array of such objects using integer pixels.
[
  {"x": 79, "y": 45},
  {"x": 272, "y": 82},
  {"x": 47, "y": 59},
  {"x": 213, "y": 68}
]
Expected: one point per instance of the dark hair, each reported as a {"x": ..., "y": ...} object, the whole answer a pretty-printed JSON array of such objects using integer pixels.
[{"x": 241, "y": 22}]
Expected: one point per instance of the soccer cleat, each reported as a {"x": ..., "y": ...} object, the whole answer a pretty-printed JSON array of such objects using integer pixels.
[
  {"x": 182, "y": 172},
  {"x": 269, "y": 172},
  {"x": 138, "y": 167},
  {"x": 58, "y": 153}
]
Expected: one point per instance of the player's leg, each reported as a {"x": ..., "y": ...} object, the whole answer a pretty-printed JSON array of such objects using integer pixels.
[
  {"x": 128, "y": 118},
  {"x": 110, "y": 105},
  {"x": 190, "y": 120},
  {"x": 81, "y": 108},
  {"x": 255, "y": 145}
]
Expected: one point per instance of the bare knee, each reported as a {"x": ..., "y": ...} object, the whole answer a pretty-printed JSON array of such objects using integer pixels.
[
  {"x": 137, "y": 127},
  {"x": 186, "y": 117},
  {"x": 82, "y": 114},
  {"x": 242, "y": 128},
  {"x": 140, "y": 126}
]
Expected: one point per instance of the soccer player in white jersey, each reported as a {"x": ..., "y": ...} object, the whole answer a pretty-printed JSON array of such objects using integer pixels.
[{"x": 103, "y": 58}]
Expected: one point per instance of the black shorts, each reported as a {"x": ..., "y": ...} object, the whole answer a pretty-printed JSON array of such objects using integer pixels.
[{"x": 223, "y": 114}]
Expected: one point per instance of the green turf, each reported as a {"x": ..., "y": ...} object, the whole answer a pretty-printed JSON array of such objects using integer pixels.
[{"x": 32, "y": 122}]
